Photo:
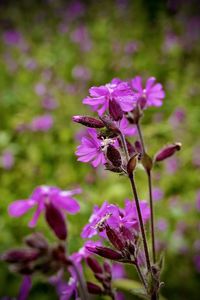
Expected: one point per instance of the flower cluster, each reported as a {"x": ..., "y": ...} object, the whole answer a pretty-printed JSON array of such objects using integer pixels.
[{"x": 119, "y": 105}]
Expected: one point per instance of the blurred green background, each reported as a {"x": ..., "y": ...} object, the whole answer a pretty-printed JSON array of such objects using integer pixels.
[{"x": 51, "y": 53}]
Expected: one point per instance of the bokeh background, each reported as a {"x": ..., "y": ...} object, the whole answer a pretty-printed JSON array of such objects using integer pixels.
[{"x": 51, "y": 53}]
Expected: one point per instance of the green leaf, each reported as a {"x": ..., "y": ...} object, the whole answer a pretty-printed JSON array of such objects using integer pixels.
[{"x": 130, "y": 286}]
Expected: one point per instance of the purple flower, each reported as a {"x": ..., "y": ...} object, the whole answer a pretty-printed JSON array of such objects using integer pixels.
[
  {"x": 12, "y": 37},
  {"x": 40, "y": 89},
  {"x": 90, "y": 149},
  {"x": 118, "y": 90},
  {"x": 42, "y": 123},
  {"x": 126, "y": 128},
  {"x": 7, "y": 160},
  {"x": 198, "y": 201},
  {"x": 115, "y": 217},
  {"x": 157, "y": 194},
  {"x": 151, "y": 95},
  {"x": 49, "y": 103},
  {"x": 40, "y": 197}
]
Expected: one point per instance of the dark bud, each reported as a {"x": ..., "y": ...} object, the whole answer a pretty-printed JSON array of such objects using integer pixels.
[
  {"x": 167, "y": 151},
  {"x": 131, "y": 149},
  {"x": 94, "y": 288},
  {"x": 114, "y": 156},
  {"x": 20, "y": 255},
  {"x": 147, "y": 162},
  {"x": 132, "y": 164},
  {"x": 100, "y": 277},
  {"x": 88, "y": 121},
  {"x": 115, "y": 110},
  {"x": 114, "y": 238},
  {"x": 142, "y": 101},
  {"x": 58, "y": 254},
  {"x": 56, "y": 221},
  {"x": 37, "y": 241},
  {"x": 94, "y": 265},
  {"x": 107, "y": 268},
  {"x": 138, "y": 146},
  {"x": 110, "y": 125},
  {"x": 105, "y": 252},
  {"x": 111, "y": 168}
]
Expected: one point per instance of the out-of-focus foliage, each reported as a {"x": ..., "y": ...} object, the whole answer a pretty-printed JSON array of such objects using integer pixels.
[{"x": 51, "y": 53}]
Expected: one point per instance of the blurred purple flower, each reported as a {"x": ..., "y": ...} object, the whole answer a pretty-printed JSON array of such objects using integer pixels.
[
  {"x": 80, "y": 72},
  {"x": 117, "y": 90},
  {"x": 161, "y": 225},
  {"x": 7, "y": 160},
  {"x": 40, "y": 197},
  {"x": 40, "y": 89},
  {"x": 198, "y": 200},
  {"x": 196, "y": 260},
  {"x": 178, "y": 117},
  {"x": 151, "y": 95},
  {"x": 157, "y": 194},
  {"x": 196, "y": 156},
  {"x": 171, "y": 165},
  {"x": 42, "y": 123},
  {"x": 12, "y": 37},
  {"x": 81, "y": 36},
  {"x": 49, "y": 103},
  {"x": 131, "y": 47},
  {"x": 90, "y": 149}
]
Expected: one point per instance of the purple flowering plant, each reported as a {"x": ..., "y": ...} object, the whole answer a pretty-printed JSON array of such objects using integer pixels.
[{"x": 121, "y": 232}]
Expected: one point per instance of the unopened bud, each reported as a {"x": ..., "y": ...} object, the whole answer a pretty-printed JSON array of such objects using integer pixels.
[
  {"x": 114, "y": 156},
  {"x": 167, "y": 151},
  {"x": 94, "y": 265},
  {"x": 132, "y": 163},
  {"x": 88, "y": 121},
  {"x": 37, "y": 240},
  {"x": 20, "y": 255},
  {"x": 138, "y": 146},
  {"x": 107, "y": 267},
  {"x": 115, "y": 110},
  {"x": 105, "y": 252},
  {"x": 114, "y": 238},
  {"x": 56, "y": 221},
  {"x": 147, "y": 162},
  {"x": 94, "y": 288}
]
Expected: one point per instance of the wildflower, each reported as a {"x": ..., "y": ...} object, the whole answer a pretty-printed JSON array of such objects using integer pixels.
[
  {"x": 41, "y": 197},
  {"x": 116, "y": 90},
  {"x": 90, "y": 149},
  {"x": 7, "y": 160},
  {"x": 167, "y": 151},
  {"x": 42, "y": 123},
  {"x": 151, "y": 95}
]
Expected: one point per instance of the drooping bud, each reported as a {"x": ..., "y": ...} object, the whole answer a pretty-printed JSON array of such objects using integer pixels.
[
  {"x": 115, "y": 110},
  {"x": 56, "y": 221},
  {"x": 94, "y": 265},
  {"x": 132, "y": 163},
  {"x": 37, "y": 241},
  {"x": 94, "y": 288},
  {"x": 167, "y": 151},
  {"x": 20, "y": 255},
  {"x": 114, "y": 156},
  {"x": 114, "y": 238},
  {"x": 147, "y": 162},
  {"x": 105, "y": 252},
  {"x": 88, "y": 121}
]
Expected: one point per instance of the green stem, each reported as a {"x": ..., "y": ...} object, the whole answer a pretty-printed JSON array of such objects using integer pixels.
[{"x": 141, "y": 276}]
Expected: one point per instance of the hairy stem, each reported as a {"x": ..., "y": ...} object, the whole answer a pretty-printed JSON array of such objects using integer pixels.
[
  {"x": 150, "y": 196},
  {"x": 152, "y": 217},
  {"x": 124, "y": 145},
  {"x": 141, "y": 276},
  {"x": 140, "y": 221}
]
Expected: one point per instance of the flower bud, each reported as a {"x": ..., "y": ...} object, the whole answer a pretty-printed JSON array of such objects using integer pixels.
[
  {"x": 88, "y": 121},
  {"x": 132, "y": 163},
  {"x": 147, "y": 162},
  {"x": 56, "y": 221},
  {"x": 107, "y": 267},
  {"x": 37, "y": 240},
  {"x": 115, "y": 110},
  {"x": 20, "y": 255},
  {"x": 138, "y": 146},
  {"x": 94, "y": 265},
  {"x": 94, "y": 288},
  {"x": 114, "y": 156},
  {"x": 167, "y": 151},
  {"x": 105, "y": 252},
  {"x": 114, "y": 238}
]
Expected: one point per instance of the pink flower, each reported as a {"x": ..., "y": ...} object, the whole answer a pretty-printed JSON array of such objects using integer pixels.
[
  {"x": 151, "y": 95},
  {"x": 126, "y": 128},
  {"x": 118, "y": 90},
  {"x": 42, "y": 123},
  {"x": 41, "y": 196},
  {"x": 90, "y": 149}
]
